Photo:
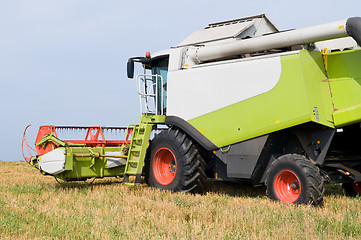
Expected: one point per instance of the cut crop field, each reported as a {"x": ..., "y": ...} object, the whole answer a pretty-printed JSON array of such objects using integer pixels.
[{"x": 33, "y": 206}]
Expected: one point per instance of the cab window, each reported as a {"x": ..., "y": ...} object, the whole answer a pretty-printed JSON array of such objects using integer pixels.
[{"x": 160, "y": 67}]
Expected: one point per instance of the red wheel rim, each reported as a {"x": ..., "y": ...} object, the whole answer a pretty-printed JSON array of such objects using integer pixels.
[
  {"x": 164, "y": 166},
  {"x": 287, "y": 186},
  {"x": 357, "y": 188}
]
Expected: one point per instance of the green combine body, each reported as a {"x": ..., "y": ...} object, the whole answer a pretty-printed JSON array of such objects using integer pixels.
[{"x": 237, "y": 101}]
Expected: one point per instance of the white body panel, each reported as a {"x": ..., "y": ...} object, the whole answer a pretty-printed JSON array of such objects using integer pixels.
[
  {"x": 337, "y": 44},
  {"x": 53, "y": 162},
  {"x": 219, "y": 85},
  {"x": 113, "y": 162}
]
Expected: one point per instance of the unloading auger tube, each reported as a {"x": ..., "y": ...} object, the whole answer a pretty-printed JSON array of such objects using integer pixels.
[{"x": 344, "y": 28}]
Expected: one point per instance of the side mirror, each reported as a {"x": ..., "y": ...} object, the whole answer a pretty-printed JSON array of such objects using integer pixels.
[{"x": 130, "y": 68}]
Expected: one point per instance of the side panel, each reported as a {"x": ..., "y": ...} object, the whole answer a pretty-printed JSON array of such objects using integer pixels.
[
  {"x": 301, "y": 95},
  {"x": 218, "y": 86},
  {"x": 79, "y": 166},
  {"x": 344, "y": 70},
  {"x": 345, "y": 81},
  {"x": 241, "y": 158}
]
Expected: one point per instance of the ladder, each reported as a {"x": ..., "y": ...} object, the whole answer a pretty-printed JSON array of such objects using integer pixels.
[{"x": 136, "y": 153}]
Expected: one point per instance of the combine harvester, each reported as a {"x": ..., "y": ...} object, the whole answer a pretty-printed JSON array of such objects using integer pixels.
[{"x": 240, "y": 101}]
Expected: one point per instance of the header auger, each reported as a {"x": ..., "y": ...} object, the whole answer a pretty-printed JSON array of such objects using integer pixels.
[{"x": 239, "y": 100}]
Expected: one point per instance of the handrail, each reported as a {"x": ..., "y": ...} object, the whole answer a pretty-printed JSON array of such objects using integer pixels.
[{"x": 147, "y": 91}]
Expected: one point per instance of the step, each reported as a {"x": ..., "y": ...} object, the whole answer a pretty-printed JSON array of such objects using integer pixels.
[
  {"x": 133, "y": 161},
  {"x": 135, "y": 149},
  {"x": 138, "y": 139}
]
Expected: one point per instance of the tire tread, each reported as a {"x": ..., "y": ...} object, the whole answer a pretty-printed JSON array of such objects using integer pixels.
[{"x": 189, "y": 159}]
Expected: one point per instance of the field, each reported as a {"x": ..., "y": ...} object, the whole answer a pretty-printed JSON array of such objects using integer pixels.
[{"x": 33, "y": 206}]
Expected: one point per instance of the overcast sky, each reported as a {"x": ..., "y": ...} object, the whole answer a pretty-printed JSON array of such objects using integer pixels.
[{"x": 63, "y": 62}]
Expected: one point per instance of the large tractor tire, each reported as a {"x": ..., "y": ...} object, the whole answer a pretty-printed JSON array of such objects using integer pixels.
[
  {"x": 294, "y": 179},
  {"x": 174, "y": 163}
]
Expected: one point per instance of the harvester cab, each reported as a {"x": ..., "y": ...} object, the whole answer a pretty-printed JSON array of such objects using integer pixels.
[
  {"x": 239, "y": 100},
  {"x": 152, "y": 84}
]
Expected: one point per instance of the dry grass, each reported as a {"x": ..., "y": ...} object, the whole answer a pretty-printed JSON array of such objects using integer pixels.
[{"x": 33, "y": 206}]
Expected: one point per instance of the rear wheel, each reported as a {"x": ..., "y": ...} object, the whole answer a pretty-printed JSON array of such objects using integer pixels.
[
  {"x": 175, "y": 163},
  {"x": 352, "y": 189},
  {"x": 293, "y": 178}
]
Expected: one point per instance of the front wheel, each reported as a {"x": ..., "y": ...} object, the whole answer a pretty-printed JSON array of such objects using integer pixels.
[
  {"x": 293, "y": 178},
  {"x": 174, "y": 163}
]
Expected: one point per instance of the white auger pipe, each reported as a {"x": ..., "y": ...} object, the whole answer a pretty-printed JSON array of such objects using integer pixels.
[{"x": 339, "y": 29}]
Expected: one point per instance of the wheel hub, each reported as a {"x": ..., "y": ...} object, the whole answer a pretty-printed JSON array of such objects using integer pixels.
[
  {"x": 172, "y": 167},
  {"x": 287, "y": 186},
  {"x": 164, "y": 166},
  {"x": 295, "y": 186}
]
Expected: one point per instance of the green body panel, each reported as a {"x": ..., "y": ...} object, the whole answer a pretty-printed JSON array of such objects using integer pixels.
[
  {"x": 347, "y": 115},
  {"x": 79, "y": 167},
  {"x": 152, "y": 119},
  {"x": 301, "y": 95},
  {"x": 344, "y": 72}
]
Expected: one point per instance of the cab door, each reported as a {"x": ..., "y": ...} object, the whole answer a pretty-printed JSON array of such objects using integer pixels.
[{"x": 160, "y": 67}]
